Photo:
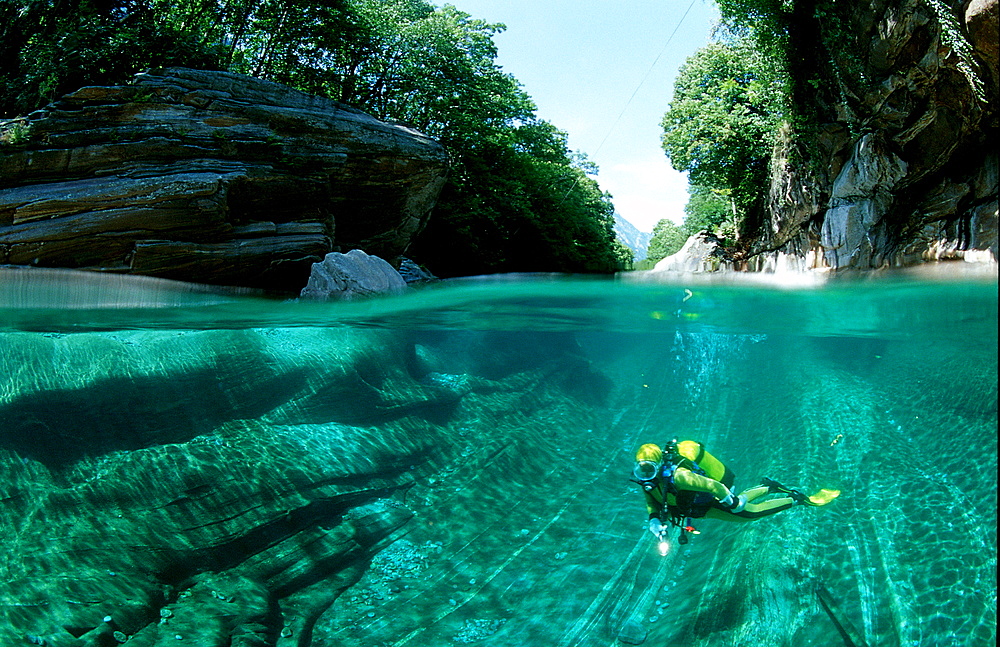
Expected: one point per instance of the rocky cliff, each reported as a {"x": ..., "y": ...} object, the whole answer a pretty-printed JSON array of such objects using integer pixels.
[
  {"x": 902, "y": 166},
  {"x": 209, "y": 177}
]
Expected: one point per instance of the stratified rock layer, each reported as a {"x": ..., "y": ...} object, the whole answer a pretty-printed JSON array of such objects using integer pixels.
[
  {"x": 209, "y": 177},
  {"x": 905, "y": 168}
]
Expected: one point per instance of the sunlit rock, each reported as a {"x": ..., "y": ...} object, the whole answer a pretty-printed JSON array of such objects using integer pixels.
[
  {"x": 981, "y": 19},
  {"x": 701, "y": 253}
]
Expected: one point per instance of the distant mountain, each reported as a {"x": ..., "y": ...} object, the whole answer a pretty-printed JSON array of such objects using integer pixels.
[{"x": 637, "y": 241}]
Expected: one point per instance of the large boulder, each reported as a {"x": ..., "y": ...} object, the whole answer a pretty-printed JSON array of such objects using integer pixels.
[
  {"x": 701, "y": 253},
  {"x": 209, "y": 177},
  {"x": 350, "y": 275}
]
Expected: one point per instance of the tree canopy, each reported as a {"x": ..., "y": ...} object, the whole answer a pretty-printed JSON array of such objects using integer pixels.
[
  {"x": 517, "y": 199},
  {"x": 709, "y": 210},
  {"x": 720, "y": 127},
  {"x": 667, "y": 239}
]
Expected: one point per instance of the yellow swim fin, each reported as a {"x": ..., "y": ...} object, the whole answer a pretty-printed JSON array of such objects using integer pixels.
[{"x": 823, "y": 497}]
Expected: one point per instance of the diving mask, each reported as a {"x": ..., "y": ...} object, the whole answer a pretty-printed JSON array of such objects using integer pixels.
[{"x": 645, "y": 473}]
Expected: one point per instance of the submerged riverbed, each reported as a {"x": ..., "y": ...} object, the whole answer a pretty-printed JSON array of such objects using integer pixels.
[{"x": 451, "y": 465}]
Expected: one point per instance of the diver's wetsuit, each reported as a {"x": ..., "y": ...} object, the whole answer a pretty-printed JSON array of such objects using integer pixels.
[{"x": 698, "y": 495}]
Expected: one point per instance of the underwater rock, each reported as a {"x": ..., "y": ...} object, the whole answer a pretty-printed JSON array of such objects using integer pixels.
[
  {"x": 210, "y": 177},
  {"x": 180, "y": 488},
  {"x": 38, "y": 289},
  {"x": 171, "y": 389},
  {"x": 154, "y": 520},
  {"x": 478, "y": 629},
  {"x": 632, "y": 633},
  {"x": 373, "y": 504}
]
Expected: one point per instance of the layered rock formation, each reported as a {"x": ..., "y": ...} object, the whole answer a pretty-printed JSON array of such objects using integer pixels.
[
  {"x": 904, "y": 169},
  {"x": 209, "y": 177}
]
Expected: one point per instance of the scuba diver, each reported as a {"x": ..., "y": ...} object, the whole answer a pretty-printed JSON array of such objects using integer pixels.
[{"x": 682, "y": 481}]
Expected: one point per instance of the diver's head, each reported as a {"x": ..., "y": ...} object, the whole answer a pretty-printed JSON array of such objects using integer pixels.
[
  {"x": 647, "y": 465},
  {"x": 649, "y": 452}
]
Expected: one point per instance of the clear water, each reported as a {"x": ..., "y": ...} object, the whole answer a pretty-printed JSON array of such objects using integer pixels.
[{"x": 158, "y": 445}]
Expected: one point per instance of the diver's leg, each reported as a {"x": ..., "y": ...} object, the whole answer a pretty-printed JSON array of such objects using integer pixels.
[
  {"x": 725, "y": 515},
  {"x": 755, "y": 492},
  {"x": 752, "y": 510},
  {"x": 765, "y": 508}
]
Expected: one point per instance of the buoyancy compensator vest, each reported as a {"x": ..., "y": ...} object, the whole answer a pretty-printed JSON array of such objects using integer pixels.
[{"x": 690, "y": 455}]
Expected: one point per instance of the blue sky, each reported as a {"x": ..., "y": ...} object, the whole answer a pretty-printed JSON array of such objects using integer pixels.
[{"x": 581, "y": 61}]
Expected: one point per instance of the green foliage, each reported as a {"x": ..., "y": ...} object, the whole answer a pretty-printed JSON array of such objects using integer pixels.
[
  {"x": 952, "y": 35},
  {"x": 50, "y": 48},
  {"x": 15, "y": 132},
  {"x": 624, "y": 256},
  {"x": 667, "y": 239},
  {"x": 516, "y": 200},
  {"x": 709, "y": 210},
  {"x": 520, "y": 207},
  {"x": 727, "y": 105},
  {"x": 764, "y": 22}
]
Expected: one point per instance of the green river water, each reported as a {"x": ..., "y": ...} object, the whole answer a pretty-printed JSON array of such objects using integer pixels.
[{"x": 885, "y": 389}]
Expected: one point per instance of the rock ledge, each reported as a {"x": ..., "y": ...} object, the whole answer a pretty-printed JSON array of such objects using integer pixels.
[{"x": 209, "y": 177}]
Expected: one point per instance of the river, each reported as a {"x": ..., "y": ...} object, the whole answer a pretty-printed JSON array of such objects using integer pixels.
[{"x": 495, "y": 422}]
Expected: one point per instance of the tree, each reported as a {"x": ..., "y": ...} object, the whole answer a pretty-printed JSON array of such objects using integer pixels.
[
  {"x": 624, "y": 256},
  {"x": 521, "y": 205},
  {"x": 50, "y": 48},
  {"x": 728, "y": 103},
  {"x": 667, "y": 239},
  {"x": 709, "y": 210},
  {"x": 516, "y": 200}
]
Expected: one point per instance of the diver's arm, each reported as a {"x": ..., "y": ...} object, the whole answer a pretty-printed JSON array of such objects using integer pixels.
[
  {"x": 653, "y": 507},
  {"x": 685, "y": 479}
]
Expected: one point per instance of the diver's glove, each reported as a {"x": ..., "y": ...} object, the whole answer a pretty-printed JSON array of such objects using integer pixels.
[
  {"x": 734, "y": 503},
  {"x": 656, "y": 527}
]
